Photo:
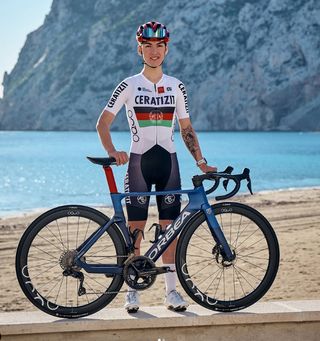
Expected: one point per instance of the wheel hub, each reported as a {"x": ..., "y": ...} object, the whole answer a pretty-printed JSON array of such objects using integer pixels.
[
  {"x": 216, "y": 252},
  {"x": 67, "y": 258}
]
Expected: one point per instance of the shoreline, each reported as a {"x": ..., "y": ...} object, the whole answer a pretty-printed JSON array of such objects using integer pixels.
[{"x": 40, "y": 210}]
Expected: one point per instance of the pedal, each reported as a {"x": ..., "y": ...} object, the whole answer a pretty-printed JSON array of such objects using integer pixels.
[{"x": 163, "y": 269}]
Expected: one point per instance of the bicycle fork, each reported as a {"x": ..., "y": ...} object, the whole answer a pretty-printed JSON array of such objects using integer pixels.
[{"x": 217, "y": 234}]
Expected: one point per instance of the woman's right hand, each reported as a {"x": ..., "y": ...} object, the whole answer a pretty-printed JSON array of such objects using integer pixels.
[{"x": 121, "y": 157}]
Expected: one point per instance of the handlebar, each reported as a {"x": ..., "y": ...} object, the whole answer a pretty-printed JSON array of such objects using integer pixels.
[{"x": 227, "y": 176}]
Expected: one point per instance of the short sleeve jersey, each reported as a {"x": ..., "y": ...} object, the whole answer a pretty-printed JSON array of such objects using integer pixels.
[{"x": 151, "y": 110}]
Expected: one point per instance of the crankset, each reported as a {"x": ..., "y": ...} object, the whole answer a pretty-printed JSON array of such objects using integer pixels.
[{"x": 140, "y": 272}]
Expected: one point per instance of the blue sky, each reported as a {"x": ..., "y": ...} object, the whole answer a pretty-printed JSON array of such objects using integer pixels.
[{"x": 17, "y": 19}]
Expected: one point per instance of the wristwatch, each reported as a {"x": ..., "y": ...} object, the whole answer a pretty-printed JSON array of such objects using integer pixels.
[{"x": 201, "y": 162}]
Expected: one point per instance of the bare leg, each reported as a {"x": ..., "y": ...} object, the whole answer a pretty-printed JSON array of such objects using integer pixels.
[{"x": 168, "y": 256}]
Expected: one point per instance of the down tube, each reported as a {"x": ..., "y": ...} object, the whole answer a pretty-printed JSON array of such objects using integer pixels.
[{"x": 171, "y": 233}]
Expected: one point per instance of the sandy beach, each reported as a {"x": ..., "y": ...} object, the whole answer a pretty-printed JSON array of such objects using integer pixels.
[{"x": 294, "y": 215}]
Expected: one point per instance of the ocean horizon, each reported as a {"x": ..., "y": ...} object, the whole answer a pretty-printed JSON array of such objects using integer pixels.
[{"x": 47, "y": 169}]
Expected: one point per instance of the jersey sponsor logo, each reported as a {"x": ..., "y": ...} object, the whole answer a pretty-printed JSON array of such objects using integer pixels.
[
  {"x": 169, "y": 88},
  {"x": 144, "y": 89},
  {"x": 184, "y": 93},
  {"x": 169, "y": 199},
  {"x": 148, "y": 116},
  {"x": 116, "y": 94},
  {"x": 133, "y": 128},
  {"x": 160, "y": 89},
  {"x": 142, "y": 199},
  {"x": 147, "y": 100},
  {"x": 127, "y": 188}
]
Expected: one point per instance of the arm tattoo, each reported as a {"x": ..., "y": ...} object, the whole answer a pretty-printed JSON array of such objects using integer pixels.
[{"x": 190, "y": 139}]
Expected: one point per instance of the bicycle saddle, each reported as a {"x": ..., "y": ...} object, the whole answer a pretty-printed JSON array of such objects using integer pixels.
[{"x": 103, "y": 161}]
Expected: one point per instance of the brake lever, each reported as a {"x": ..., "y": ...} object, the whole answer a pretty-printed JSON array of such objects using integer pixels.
[
  {"x": 246, "y": 174},
  {"x": 225, "y": 182}
]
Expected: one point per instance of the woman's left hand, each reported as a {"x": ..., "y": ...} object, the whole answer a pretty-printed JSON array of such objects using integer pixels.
[{"x": 206, "y": 168}]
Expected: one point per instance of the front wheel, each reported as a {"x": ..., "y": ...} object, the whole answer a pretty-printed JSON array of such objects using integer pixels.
[
  {"x": 228, "y": 286},
  {"x": 45, "y": 262}
]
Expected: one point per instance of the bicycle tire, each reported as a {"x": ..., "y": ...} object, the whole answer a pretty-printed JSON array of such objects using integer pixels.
[
  {"x": 43, "y": 250},
  {"x": 236, "y": 285}
]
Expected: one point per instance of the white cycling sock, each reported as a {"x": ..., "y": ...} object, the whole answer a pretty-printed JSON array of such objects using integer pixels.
[{"x": 170, "y": 278}]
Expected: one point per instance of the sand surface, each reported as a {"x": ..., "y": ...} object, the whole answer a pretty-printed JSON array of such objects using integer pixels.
[{"x": 294, "y": 215}]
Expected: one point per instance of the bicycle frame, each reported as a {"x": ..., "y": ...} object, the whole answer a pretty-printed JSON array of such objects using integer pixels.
[{"x": 197, "y": 202}]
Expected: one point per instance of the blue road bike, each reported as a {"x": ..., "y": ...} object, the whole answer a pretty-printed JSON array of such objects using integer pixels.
[{"x": 73, "y": 260}]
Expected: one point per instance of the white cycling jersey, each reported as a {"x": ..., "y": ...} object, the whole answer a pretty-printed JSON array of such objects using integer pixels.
[{"x": 151, "y": 110}]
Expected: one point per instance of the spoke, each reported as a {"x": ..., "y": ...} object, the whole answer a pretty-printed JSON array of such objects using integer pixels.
[
  {"x": 38, "y": 248},
  {"x": 234, "y": 284},
  {"x": 196, "y": 246},
  {"x": 208, "y": 277},
  {"x": 50, "y": 281},
  {"x": 46, "y": 269},
  {"x": 247, "y": 272},
  {"x": 39, "y": 265},
  {"x": 41, "y": 258},
  {"x": 61, "y": 282},
  {"x": 218, "y": 272},
  {"x": 64, "y": 247},
  {"x": 249, "y": 223},
  {"x": 230, "y": 228},
  {"x": 68, "y": 232},
  {"x": 198, "y": 271},
  {"x": 199, "y": 262},
  {"x": 59, "y": 240},
  {"x": 237, "y": 237},
  {"x": 99, "y": 251},
  {"x": 254, "y": 243},
  {"x": 257, "y": 266},
  {"x": 250, "y": 236},
  {"x": 206, "y": 241},
  {"x": 50, "y": 242},
  {"x": 47, "y": 294},
  {"x": 254, "y": 252},
  {"x": 215, "y": 294},
  {"x": 92, "y": 289},
  {"x": 239, "y": 281},
  {"x": 85, "y": 236},
  {"x": 249, "y": 256},
  {"x": 224, "y": 285},
  {"x": 246, "y": 280},
  {"x": 192, "y": 255},
  {"x": 77, "y": 232},
  {"x": 102, "y": 285},
  {"x": 66, "y": 291}
]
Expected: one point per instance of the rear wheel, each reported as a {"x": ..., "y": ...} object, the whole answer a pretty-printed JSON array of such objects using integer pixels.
[
  {"x": 228, "y": 286},
  {"x": 44, "y": 262}
]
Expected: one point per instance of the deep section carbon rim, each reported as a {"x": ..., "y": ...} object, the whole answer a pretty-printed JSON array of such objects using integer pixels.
[
  {"x": 47, "y": 250},
  {"x": 227, "y": 286}
]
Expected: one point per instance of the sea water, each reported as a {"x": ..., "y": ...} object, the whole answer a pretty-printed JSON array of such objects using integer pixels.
[{"x": 46, "y": 169}]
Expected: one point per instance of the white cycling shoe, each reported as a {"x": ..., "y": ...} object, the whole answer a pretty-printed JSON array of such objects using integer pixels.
[
  {"x": 132, "y": 302},
  {"x": 174, "y": 301}
]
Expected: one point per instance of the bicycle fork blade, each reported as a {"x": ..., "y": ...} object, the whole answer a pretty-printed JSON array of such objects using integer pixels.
[{"x": 218, "y": 236}]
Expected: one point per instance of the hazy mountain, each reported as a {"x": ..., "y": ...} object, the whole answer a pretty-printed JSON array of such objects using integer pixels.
[{"x": 247, "y": 65}]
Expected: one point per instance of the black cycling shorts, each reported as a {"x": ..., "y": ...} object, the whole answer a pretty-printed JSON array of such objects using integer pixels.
[{"x": 155, "y": 167}]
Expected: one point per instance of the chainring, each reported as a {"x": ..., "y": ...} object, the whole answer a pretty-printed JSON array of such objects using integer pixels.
[{"x": 137, "y": 272}]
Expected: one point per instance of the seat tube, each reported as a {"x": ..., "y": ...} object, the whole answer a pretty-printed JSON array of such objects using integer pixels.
[
  {"x": 217, "y": 233},
  {"x": 110, "y": 179}
]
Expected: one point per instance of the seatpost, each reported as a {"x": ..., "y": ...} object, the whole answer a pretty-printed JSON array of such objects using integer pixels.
[{"x": 110, "y": 179}]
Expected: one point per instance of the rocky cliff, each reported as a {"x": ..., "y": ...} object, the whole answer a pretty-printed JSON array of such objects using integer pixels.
[{"x": 247, "y": 65}]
